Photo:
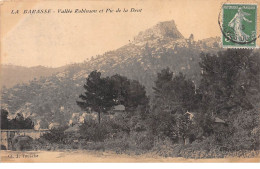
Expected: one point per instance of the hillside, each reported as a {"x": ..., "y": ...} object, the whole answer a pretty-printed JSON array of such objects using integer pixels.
[{"x": 53, "y": 98}]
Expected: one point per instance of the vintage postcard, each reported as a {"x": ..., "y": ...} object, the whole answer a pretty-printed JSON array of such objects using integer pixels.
[{"x": 130, "y": 81}]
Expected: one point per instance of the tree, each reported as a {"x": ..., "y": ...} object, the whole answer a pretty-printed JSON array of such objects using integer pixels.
[
  {"x": 19, "y": 122},
  {"x": 184, "y": 92},
  {"x": 99, "y": 94},
  {"x": 163, "y": 88},
  {"x": 173, "y": 96},
  {"x": 92, "y": 131},
  {"x": 4, "y": 119},
  {"x": 120, "y": 84},
  {"x": 56, "y": 135},
  {"x": 174, "y": 93},
  {"x": 230, "y": 81},
  {"x": 229, "y": 89},
  {"x": 129, "y": 93},
  {"x": 104, "y": 93}
]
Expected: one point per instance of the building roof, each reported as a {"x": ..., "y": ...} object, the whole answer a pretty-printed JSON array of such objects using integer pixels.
[
  {"x": 218, "y": 120},
  {"x": 54, "y": 125},
  {"x": 119, "y": 107},
  {"x": 190, "y": 114},
  {"x": 72, "y": 129}
]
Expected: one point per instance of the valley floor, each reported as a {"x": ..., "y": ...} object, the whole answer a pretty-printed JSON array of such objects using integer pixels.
[{"x": 99, "y": 157}]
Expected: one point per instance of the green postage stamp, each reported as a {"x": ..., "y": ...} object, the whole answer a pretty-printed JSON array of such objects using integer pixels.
[{"x": 239, "y": 24}]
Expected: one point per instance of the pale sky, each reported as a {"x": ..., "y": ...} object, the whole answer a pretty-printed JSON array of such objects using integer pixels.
[{"x": 57, "y": 39}]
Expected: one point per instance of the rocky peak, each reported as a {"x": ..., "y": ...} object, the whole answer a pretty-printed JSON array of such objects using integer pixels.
[{"x": 161, "y": 30}]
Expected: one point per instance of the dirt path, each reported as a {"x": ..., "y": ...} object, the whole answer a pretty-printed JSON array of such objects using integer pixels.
[{"x": 91, "y": 156}]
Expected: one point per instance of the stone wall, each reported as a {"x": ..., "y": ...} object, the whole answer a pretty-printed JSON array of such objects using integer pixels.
[{"x": 7, "y": 135}]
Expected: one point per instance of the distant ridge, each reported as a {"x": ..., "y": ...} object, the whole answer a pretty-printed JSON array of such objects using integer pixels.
[{"x": 12, "y": 74}]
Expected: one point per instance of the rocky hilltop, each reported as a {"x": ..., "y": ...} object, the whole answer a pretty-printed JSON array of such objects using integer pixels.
[
  {"x": 52, "y": 99},
  {"x": 162, "y": 30}
]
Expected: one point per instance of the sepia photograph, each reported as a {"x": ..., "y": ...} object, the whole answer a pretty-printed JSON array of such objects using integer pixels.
[{"x": 133, "y": 81}]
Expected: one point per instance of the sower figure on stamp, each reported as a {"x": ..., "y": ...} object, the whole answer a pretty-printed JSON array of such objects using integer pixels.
[{"x": 236, "y": 23}]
